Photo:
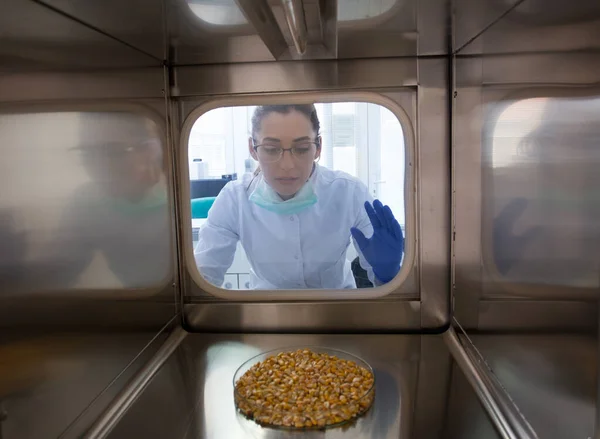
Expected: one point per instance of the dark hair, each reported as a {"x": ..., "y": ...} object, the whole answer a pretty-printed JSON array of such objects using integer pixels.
[{"x": 262, "y": 111}]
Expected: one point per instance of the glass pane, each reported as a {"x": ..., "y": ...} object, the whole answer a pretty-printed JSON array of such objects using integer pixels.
[
  {"x": 277, "y": 190},
  {"x": 543, "y": 156},
  {"x": 87, "y": 206}
]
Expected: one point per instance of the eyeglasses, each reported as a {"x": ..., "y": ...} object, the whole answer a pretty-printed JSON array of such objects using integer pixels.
[
  {"x": 103, "y": 148},
  {"x": 269, "y": 153}
]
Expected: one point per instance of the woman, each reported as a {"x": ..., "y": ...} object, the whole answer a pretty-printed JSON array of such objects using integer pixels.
[{"x": 294, "y": 218}]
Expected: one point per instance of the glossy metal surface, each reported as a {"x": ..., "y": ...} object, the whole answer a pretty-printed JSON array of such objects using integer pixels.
[
  {"x": 199, "y": 382},
  {"x": 56, "y": 384},
  {"x": 389, "y": 316},
  {"x": 479, "y": 384},
  {"x": 294, "y": 17},
  {"x": 539, "y": 213},
  {"x": 430, "y": 418},
  {"x": 85, "y": 313},
  {"x": 203, "y": 33},
  {"x": 391, "y": 31},
  {"x": 505, "y": 415},
  {"x": 110, "y": 417},
  {"x": 530, "y": 26},
  {"x": 433, "y": 184},
  {"x": 71, "y": 86},
  {"x": 35, "y": 302},
  {"x": 430, "y": 167},
  {"x": 83, "y": 232},
  {"x": 260, "y": 15},
  {"x": 35, "y": 37},
  {"x": 412, "y": 379},
  {"x": 198, "y": 34},
  {"x": 434, "y": 24},
  {"x": 551, "y": 378},
  {"x": 513, "y": 203},
  {"x": 472, "y": 18},
  {"x": 139, "y": 23},
  {"x": 465, "y": 417},
  {"x": 216, "y": 80},
  {"x": 539, "y": 179},
  {"x": 433, "y": 190},
  {"x": 543, "y": 315},
  {"x": 319, "y": 32}
]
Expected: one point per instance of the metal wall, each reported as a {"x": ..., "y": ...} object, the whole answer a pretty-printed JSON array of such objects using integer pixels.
[
  {"x": 396, "y": 80},
  {"x": 172, "y": 31},
  {"x": 505, "y": 221},
  {"x": 526, "y": 151},
  {"x": 418, "y": 85},
  {"x": 72, "y": 258},
  {"x": 413, "y": 374},
  {"x": 78, "y": 316}
]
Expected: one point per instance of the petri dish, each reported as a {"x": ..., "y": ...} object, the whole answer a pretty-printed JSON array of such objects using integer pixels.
[{"x": 289, "y": 388}]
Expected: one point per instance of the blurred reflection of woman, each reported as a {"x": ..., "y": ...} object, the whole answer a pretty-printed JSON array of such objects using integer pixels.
[
  {"x": 294, "y": 218},
  {"x": 558, "y": 242},
  {"x": 121, "y": 213}
]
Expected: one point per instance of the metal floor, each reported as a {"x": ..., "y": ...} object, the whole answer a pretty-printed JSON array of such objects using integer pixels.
[
  {"x": 421, "y": 393},
  {"x": 64, "y": 381}
]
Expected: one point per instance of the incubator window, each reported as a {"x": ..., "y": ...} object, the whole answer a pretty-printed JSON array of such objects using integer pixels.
[
  {"x": 87, "y": 207},
  {"x": 541, "y": 202},
  {"x": 298, "y": 196}
]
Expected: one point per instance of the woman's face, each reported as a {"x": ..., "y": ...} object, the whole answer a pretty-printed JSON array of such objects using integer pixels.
[
  {"x": 289, "y": 173},
  {"x": 126, "y": 170},
  {"x": 123, "y": 154}
]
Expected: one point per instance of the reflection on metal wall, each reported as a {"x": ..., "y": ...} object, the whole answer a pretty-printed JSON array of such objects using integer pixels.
[
  {"x": 34, "y": 37},
  {"x": 525, "y": 149},
  {"x": 88, "y": 205},
  {"x": 541, "y": 203},
  {"x": 528, "y": 27}
]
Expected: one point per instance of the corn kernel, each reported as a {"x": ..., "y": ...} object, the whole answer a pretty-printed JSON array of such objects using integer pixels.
[{"x": 304, "y": 389}]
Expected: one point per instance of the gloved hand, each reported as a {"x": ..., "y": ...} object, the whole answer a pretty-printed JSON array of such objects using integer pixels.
[
  {"x": 383, "y": 251},
  {"x": 508, "y": 247}
]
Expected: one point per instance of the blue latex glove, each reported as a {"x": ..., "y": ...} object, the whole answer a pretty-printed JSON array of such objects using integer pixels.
[
  {"x": 383, "y": 251},
  {"x": 508, "y": 247}
]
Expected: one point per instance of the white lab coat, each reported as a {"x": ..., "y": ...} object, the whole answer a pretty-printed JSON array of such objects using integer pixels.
[{"x": 306, "y": 250}]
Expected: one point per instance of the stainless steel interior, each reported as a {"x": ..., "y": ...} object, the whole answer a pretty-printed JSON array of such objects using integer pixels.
[{"x": 493, "y": 334}]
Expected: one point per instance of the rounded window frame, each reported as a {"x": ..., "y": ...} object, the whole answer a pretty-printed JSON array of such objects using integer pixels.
[{"x": 289, "y": 295}]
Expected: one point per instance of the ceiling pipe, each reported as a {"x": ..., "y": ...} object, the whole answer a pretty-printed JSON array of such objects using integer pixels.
[
  {"x": 294, "y": 15},
  {"x": 260, "y": 15}
]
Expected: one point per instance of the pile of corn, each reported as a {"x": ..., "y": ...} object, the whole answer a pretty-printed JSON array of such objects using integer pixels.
[{"x": 304, "y": 389}]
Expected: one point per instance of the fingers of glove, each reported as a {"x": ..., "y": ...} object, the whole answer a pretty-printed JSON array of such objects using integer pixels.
[
  {"x": 372, "y": 216},
  {"x": 378, "y": 206},
  {"x": 389, "y": 218},
  {"x": 393, "y": 224},
  {"x": 359, "y": 237}
]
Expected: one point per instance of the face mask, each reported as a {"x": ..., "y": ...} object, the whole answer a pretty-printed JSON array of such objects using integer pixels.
[
  {"x": 156, "y": 198},
  {"x": 265, "y": 197}
]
